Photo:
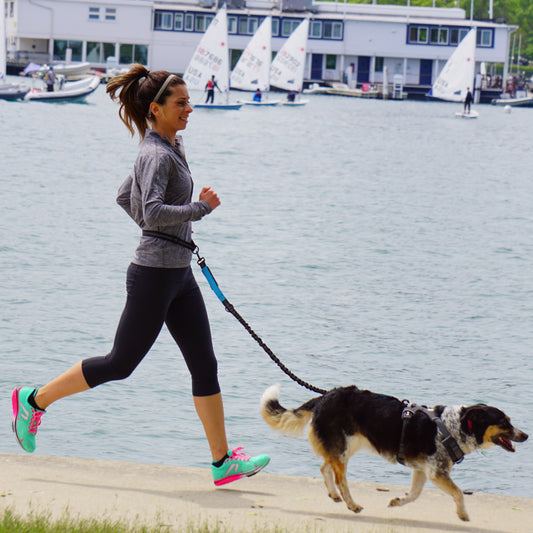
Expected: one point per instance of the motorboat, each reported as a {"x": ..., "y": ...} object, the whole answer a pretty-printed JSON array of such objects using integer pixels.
[{"x": 74, "y": 91}]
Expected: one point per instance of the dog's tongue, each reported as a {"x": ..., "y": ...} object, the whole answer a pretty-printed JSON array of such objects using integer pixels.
[{"x": 506, "y": 444}]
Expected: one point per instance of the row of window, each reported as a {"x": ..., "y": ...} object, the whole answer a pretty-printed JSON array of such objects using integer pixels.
[
  {"x": 98, "y": 52},
  {"x": 100, "y": 13},
  {"x": 447, "y": 36},
  {"x": 244, "y": 24}
]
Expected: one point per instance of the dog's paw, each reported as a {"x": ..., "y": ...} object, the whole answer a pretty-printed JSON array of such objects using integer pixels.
[
  {"x": 463, "y": 516},
  {"x": 335, "y": 497},
  {"x": 396, "y": 502},
  {"x": 355, "y": 508}
]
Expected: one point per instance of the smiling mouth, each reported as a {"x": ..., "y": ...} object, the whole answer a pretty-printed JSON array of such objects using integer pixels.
[{"x": 504, "y": 443}]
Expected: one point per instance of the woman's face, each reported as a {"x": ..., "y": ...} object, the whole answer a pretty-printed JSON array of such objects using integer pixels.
[{"x": 173, "y": 115}]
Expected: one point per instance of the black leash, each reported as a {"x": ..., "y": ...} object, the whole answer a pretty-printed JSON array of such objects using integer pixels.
[{"x": 229, "y": 307}]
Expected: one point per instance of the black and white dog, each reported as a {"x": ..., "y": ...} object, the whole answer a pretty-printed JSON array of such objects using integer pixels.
[{"x": 346, "y": 420}]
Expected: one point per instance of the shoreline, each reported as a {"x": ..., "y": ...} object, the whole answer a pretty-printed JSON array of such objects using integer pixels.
[{"x": 175, "y": 497}]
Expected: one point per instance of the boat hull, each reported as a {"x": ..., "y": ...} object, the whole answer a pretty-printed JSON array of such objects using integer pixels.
[
  {"x": 514, "y": 102},
  {"x": 472, "y": 114},
  {"x": 269, "y": 103},
  {"x": 228, "y": 107},
  {"x": 73, "y": 92},
  {"x": 13, "y": 92}
]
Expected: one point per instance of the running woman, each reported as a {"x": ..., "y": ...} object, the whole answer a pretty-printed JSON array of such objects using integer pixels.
[{"x": 161, "y": 288}]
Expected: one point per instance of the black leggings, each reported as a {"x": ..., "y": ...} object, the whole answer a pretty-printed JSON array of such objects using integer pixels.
[{"x": 157, "y": 296}]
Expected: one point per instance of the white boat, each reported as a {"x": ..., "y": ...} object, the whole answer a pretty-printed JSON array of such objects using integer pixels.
[
  {"x": 524, "y": 101},
  {"x": 316, "y": 88},
  {"x": 74, "y": 91},
  {"x": 287, "y": 69},
  {"x": 467, "y": 114},
  {"x": 211, "y": 57},
  {"x": 8, "y": 91},
  {"x": 71, "y": 71},
  {"x": 252, "y": 71},
  {"x": 457, "y": 76},
  {"x": 342, "y": 89}
]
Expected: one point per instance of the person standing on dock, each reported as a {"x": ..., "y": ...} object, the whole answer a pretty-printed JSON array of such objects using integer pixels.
[
  {"x": 160, "y": 284},
  {"x": 468, "y": 100}
]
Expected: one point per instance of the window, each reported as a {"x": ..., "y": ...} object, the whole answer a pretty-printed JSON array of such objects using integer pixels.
[
  {"x": 140, "y": 54},
  {"x": 94, "y": 54},
  {"x": 454, "y": 36},
  {"x": 418, "y": 34},
  {"x": 288, "y": 26},
  {"x": 275, "y": 27},
  {"x": 189, "y": 21},
  {"x": 163, "y": 20},
  {"x": 94, "y": 13},
  {"x": 125, "y": 54},
  {"x": 315, "y": 29},
  {"x": 252, "y": 25},
  {"x": 232, "y": 24},
  {"x": 110, "y": 13},
  {"x": 178, "y": 21},
  {"x": 108, "y": 50},
  {"x": 378, "y": 66},
  {"x": 243, "y": 25},
  {"x": 332, "y": 30},
  {"x": 484, "y": 38},
  {"x": 11, "y": 9},
  {"x": 438, "y": 36},
  {"x": 200, "y": 23},
  {"x": 331, "y": 62},
  {"x": 443, "y": 35}
]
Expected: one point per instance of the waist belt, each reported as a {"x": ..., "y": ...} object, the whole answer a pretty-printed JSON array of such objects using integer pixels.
[{"x": 172, "y": 238}]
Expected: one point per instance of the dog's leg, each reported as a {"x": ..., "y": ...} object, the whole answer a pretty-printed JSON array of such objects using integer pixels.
[
  {"x": 339, "y": 468},
  {"x": 444, "y": 482},
  {"x": 327, "y": 473},
  {"x": 418, "y": 480}
]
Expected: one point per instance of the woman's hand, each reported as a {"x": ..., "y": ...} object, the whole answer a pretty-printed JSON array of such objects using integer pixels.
[{"x": 210, "y": 196}]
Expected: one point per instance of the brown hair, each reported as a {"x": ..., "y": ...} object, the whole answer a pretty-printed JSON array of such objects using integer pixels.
[{"x": 135, "y": 91}]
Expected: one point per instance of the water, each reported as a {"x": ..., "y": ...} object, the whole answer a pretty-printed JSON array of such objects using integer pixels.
[{"x": 386, "y": 244}]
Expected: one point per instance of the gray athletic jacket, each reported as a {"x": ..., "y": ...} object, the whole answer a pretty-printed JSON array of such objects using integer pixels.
[{"x": 157, "y": 196}]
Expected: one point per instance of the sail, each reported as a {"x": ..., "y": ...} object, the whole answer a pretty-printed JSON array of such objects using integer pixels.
[
  {"x": 252, "y": 71},
  {"x": 458, "y": 73},
  {"x": 287, "y": 70},
  {"x": 2, "y": 40},
  {"x": 211, "y": 57}
]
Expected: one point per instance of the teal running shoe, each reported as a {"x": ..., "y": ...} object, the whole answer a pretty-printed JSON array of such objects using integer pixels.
[
  {"x": 237, "y": 466},
  {"x": 26, "y": 419}
]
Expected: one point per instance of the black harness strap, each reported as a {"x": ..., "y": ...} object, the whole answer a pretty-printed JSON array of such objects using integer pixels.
[{"x": 453, "y": 449}]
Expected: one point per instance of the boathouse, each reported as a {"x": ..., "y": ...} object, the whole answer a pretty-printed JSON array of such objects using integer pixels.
[{"x": 354, "y": 43}]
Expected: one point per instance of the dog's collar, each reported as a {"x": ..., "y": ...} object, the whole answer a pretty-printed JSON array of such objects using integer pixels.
[{"x": 453, "y": 449}]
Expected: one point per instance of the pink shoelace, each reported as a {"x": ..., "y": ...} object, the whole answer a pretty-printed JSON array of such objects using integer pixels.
[
  {"x": 35, "y": 421},
  {"x": 239, "y": 455}
]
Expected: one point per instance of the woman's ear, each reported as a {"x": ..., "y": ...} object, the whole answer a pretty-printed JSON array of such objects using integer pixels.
[{"x": 154, "y": 110}]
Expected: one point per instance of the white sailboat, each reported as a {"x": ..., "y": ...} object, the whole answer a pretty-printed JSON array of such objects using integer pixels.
[
  {"x": 211, "y": 57},
  {"x": 252, "y": 71},
  {"x": 8, "y": 91},
  {"x": 287, "y": 69},
  {"x": 458, "y": 73}
]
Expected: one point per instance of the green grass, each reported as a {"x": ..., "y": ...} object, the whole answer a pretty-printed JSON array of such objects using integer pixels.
[{"x": 40, "y": 523}]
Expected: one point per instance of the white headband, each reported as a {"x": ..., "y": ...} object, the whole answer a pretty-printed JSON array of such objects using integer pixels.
[{"x": 163, "y": 87}]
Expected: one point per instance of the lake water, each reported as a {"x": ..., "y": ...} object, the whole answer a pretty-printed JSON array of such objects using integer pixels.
[{"x": 378, "y": 243}]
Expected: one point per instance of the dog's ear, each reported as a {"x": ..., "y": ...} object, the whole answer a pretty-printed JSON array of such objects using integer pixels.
[{"x": 473, "y": 420}]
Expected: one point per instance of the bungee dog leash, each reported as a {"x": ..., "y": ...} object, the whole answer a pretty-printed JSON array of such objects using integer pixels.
[{"x": 191, "y": 245}]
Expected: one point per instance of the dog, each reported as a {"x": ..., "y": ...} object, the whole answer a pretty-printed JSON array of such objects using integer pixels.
[{"x": 346, "y": 420}]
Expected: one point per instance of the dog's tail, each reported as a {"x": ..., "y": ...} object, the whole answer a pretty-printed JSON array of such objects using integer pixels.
[{"x": 290, "y": 421}]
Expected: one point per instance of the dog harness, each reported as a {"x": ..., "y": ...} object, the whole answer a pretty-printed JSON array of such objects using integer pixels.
[{"x": 453, "y": 449}]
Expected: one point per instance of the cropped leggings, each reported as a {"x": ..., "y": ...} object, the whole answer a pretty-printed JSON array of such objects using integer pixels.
[{"x": 157, "y": 296}]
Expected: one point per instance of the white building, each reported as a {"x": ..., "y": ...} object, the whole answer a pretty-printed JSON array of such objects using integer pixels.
[{"x": 354, "y": 41}]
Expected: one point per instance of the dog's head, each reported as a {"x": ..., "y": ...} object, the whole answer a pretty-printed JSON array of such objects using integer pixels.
[{"x": 490, "y": 426}]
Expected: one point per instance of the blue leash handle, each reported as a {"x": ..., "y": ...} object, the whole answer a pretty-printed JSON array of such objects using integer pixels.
[{"x": 212, "y": 282}]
